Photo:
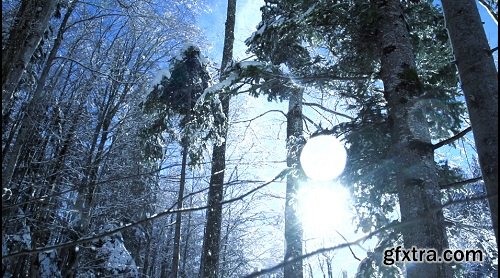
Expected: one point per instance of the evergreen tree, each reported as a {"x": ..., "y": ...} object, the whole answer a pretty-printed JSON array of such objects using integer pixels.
[
  {"x": 176, "y": 96},
  {"x": 211, "y": 242},
  {"x": 411, "y": 148},
  {"x": 172, "y": 102},
  {"x": 288, "y": 53}
]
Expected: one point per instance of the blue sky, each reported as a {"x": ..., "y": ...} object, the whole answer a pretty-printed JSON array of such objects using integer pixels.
[{"x": 248, "y": 16}]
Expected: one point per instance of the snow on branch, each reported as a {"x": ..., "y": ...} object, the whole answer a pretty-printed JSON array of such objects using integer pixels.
[
  {"x": 47, "y": 249},
  {"x": 392, "y": 226}
]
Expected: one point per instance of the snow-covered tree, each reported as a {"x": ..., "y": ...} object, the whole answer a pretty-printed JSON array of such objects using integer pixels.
[{"x": 211, "y": 240}]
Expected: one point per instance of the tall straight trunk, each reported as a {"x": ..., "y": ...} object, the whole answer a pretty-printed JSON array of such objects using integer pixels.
[
  {"x": 146, "y": 267},
  {"x": 224, "y": 244},
  {"x": 211, "y": 241},
  {"x": 163, "y": 262},
  {"x": 27, "y": 31},
  {"x": 178, "y": 217},
  {"x": 187, "y": 232},
  {"x": 48, "y": 209},
  {"x": 293, "y": 227},
  {"x": 479, "y": 80},
  {"x": 411, "y": 150}
]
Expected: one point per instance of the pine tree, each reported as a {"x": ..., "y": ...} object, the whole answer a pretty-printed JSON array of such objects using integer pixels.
[
  {"x": 289, "y": 53},
  {"x": 411, "y": 148},
  {"x": 211, "y": 242},
  {"x": 176, "y": 96}
]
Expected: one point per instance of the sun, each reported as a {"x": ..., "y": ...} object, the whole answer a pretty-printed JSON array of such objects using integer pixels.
[
  {"x": 323, "y": 208},
  {"x": 323, "y": 158}
]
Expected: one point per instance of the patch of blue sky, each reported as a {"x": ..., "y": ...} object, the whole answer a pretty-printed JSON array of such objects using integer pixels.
[{"x": 212, "y": 24}]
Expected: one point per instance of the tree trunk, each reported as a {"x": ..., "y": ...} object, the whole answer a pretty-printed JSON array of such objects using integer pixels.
[
  {"x": 224, "y": 245},
  {"x": 479, "y": 80},
  {"x": 160, "y": 260},
  {"x": 293, "y": 227},
  {"x": 47, "y": 210},
  {"x": 211, "y": 241},
  {"x": 187, "y": 232},
  {"x": 411, "y": 151},
  {"x": 25, "y": 35},
  {"x": 178, "y": 218}
]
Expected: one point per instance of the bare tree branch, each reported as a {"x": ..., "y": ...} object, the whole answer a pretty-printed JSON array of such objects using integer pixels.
[
  {"x": 352, "y": 252},
  {"x": 254, "y": 118},
  {"x": 452, "y": 139},
  {"x": 94, "y": 70},
  {"x": 130, "y": 225},
  {"x": 459, "y": 183},
  {"x": 328, "y": 110},
  {"x": 393, "y": 225}
]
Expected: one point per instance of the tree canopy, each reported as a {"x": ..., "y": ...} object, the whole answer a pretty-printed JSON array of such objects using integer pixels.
[{"x": 127, "y": 150}]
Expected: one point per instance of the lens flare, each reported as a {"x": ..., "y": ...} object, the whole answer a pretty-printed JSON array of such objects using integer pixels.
[{"x": 323, "y": 158}]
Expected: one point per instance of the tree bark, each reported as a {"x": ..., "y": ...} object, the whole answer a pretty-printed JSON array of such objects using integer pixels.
[
  {"x": 411, "y": 150},
  {"x": 25, "y": 35},
  {"x": 178, "y": 217},
  {"x": 293, "y": 227},
  {"x": 187, "y": 232},
  {"x": 211, "y": 241},
  {"x": 479, "y": 80}
]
